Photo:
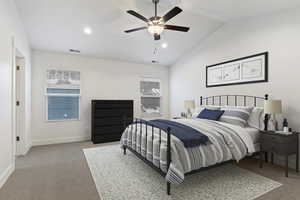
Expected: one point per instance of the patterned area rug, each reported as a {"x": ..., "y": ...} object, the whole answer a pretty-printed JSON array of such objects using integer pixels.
[{"x": 126, "y": 177}]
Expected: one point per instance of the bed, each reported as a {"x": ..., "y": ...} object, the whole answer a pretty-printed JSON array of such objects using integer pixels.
[{"x": 175, "y": 158}]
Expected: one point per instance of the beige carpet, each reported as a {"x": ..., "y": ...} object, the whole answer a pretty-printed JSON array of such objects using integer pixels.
[
  {"x": 60, "y": 172},
  {"x": 120, "y": 177}
]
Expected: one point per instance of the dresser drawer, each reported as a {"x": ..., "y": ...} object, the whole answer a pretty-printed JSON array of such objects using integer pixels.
[{"x": 106, "y": 138}]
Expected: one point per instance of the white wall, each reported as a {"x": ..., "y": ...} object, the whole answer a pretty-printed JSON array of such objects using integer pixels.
[
  {"x": 101, "y": 79},
  {"x": 10, "y": 26},
  {"x": 278, "y": 34}
]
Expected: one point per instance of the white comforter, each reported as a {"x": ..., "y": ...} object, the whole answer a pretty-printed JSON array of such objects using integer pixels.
[{"x": 226, "y": 142}]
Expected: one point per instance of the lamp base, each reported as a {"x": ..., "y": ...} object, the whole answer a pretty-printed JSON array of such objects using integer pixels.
[
  {"x": 266, "y": 120},
  {"x": 270, "y": 122},
  {"x": 189, "y": 113}
]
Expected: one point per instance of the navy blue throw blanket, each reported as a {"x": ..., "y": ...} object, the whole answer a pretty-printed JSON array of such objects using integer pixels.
[{"x": 188, "y": 135}]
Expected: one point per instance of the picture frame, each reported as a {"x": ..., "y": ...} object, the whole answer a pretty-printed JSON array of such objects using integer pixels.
[{"x": 245, "y": 70}]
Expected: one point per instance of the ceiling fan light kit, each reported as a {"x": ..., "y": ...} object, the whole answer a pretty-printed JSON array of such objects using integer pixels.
[
  {"x": 156, "y": 25},
  {"x": 155, "y": 29}
]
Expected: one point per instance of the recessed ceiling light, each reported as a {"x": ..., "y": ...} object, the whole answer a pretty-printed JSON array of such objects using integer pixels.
[
  {"x": 87, "y": 30},
  {"x": 164, "y": 45}
]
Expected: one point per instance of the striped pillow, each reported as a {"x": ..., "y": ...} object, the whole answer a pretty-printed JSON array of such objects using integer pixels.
[{"x": 236, "y": 115}]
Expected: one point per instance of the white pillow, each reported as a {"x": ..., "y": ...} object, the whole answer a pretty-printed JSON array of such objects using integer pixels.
[{"x": 256, "y": 118}]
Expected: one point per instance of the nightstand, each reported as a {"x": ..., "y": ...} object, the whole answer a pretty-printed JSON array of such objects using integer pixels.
[{"x": 279, "y": 144}]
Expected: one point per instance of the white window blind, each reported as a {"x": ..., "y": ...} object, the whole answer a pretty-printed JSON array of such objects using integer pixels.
[
  {"x": 150, "y": 91},
  {"x": 62, "y": 95}
]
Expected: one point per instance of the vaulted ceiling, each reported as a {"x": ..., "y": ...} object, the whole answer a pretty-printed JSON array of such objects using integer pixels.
[{"x": 57, "y": 25}]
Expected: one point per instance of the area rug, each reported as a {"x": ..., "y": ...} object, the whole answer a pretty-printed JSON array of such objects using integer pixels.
[{"x": 126, "y": 177}]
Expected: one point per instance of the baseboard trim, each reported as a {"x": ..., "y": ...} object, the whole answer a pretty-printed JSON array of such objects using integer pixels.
[
  {"x": 280, "y": 160},
  {"x": 28, "y": 147},
  {"x": 60, "y": 140},
  {"x": 6, "y": 174}
]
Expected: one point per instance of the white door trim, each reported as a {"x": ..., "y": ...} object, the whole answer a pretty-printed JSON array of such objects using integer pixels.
[
  {"x": 13, "y": 109},
  {"x": 18, "y": 113}
]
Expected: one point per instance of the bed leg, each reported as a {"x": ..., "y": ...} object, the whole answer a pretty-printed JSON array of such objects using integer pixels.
[
  {"x": 124, "y": 150},
  {"x": 168, "y": 157}
]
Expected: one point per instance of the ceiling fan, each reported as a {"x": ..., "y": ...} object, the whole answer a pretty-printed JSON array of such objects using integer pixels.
[{"x": 156, "y": 24}]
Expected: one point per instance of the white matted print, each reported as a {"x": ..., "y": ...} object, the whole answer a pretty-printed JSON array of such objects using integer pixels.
[
  {"x": 231, "y": 72},
  {"x": 250, "y": 69},
  {"x": 215, "y": 75}
]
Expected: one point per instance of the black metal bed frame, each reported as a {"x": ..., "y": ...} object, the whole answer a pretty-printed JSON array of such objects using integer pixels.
[{"x": 138, "y": 122}]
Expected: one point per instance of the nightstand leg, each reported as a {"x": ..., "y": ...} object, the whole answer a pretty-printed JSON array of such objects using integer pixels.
[
  {"x": 297, "y": 163},
  {"x": 297, "y": 156},
  {"x": 266, "y": 156},
  {"x": 286, "y": 165},
  {"x": 124, "y": 150},
  {"x": 260, "y": 159},
  {"x": 272, "y": 158}
]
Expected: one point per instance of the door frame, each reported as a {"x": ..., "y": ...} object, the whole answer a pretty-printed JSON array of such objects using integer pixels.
[{"x": 19, "y": 148}]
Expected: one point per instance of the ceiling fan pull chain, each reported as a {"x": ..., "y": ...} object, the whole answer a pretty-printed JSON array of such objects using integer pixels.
[{"x": 155, "y": 2}]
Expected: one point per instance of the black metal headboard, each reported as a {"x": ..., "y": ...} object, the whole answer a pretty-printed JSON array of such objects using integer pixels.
[{"x": 218, "y": 99}]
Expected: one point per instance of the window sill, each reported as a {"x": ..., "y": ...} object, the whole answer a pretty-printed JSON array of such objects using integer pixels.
[
  {"x": 150, "y": 96},
  {"x": 62, "y": 120}
]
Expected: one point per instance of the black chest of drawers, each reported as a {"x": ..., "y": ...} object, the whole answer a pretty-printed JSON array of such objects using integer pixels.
[{"x": 108, "y": 119}]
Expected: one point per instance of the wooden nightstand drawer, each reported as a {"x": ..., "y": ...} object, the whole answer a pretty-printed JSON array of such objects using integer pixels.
[{"x": 279, "y": 144}]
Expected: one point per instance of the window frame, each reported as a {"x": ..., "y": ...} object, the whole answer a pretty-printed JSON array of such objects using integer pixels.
[
  {"x": 151, "y": 79},
  {"x": 62, "y": 95}
]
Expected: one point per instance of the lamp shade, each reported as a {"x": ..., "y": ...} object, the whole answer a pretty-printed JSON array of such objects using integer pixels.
[
  {"x": 273, "y": 107},
  {"x": 189, "y": 104}
]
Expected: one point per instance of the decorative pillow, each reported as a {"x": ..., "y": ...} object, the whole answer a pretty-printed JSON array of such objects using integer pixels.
[
  {"x": 211, "y": 114},
  {"x": 200, "y": 108},
  {"x": 256, "y": 118},
  {"x": 236, "y": 115}
]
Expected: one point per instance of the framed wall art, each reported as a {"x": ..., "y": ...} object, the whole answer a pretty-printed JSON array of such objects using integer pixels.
[{"x": 250, "y": 69}]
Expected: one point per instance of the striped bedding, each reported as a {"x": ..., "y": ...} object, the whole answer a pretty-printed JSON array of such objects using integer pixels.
[{"x": 226, "y": 142}]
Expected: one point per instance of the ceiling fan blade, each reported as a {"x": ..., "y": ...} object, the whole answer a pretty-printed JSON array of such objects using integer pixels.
[
  {"x": 156, "y": 37},
  {"x": 138, "y": 15},
  {"x": 172, "y": 13},
  {"x": 136, "y": 29},
  {"x": 177, "y": 28}
]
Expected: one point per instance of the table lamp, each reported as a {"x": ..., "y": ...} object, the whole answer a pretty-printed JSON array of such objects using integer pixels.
[
  {"x": 272, "y": 107},
  {"x": 189, "y": 105}
]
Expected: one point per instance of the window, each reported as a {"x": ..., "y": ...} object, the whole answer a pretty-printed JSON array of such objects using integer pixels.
[
  {"x": 62, "y": 95},
  {"x": 150, "y": 97}
]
